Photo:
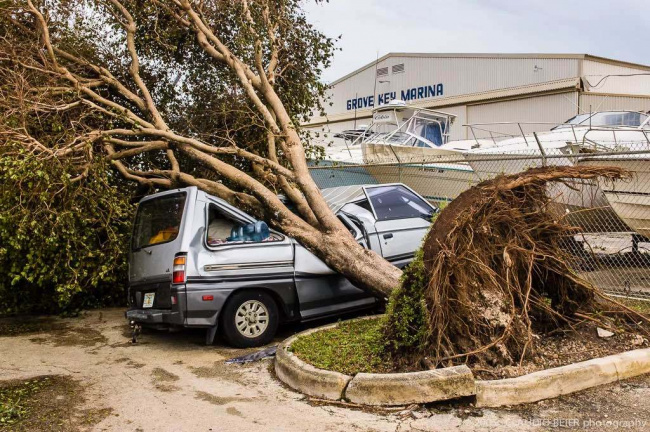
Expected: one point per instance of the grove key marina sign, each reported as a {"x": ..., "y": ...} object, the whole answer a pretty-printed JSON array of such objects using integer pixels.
[{"x": 410, "y": 94}]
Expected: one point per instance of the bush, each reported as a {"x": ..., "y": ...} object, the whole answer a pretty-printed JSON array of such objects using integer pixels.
[
  {"x": 63, "y": 243},
  {"x": 406, "y": 320}
]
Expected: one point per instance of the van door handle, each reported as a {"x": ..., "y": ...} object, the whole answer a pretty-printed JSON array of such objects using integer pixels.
[{"x": 388, "y": 236}]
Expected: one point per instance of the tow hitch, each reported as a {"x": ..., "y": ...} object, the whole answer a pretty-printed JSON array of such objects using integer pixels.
[{"x": 136, "y": 329}]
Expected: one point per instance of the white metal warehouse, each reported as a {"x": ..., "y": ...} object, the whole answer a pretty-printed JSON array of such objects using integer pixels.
[{"x": 485, "y": 88}]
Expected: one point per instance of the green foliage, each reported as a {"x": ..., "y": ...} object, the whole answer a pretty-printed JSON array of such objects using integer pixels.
[
  {"x": 640, "y": 306},
  {"x": 62, "y": 243},
  {"x": 196, "y": 95},
  {"x": 14, "y": 400},
  {"x": 351, "y": 347},
  {"x": 406, "y": 323}
]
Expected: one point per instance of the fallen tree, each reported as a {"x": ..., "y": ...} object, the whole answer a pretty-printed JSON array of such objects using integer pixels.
[
  {"x": 496, "y": 270},
  {"x": 127, "y": 73}
]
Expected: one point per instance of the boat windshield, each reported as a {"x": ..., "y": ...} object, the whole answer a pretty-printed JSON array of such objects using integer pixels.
[
  {"x": 422, "y": 128},
  {"x": 607, "y": 119},
  {"x": 398, "y": 138},
  {"x": 429, "y": 127}
]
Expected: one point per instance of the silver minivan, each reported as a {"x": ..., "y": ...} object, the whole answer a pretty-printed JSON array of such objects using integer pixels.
[{"x": 197, "y": 261}]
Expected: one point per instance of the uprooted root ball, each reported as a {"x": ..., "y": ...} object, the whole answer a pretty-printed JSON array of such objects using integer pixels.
[{"x": 495, "y": 271}]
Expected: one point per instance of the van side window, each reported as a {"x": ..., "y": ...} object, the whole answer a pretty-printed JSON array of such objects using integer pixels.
[{"x": 225, "y": 230}]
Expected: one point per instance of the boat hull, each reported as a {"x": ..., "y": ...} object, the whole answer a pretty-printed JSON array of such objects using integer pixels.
[
  {"x": 379, "y": 153},
  {"x": 435, "y": 183},
  {"x": 437, "y": 174},
  {"x": 629, "y": 199},
  {"x": 581, "y": 203}
]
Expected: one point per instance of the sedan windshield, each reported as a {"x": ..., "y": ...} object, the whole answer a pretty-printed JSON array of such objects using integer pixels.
[{"x": 397, "y": 202}]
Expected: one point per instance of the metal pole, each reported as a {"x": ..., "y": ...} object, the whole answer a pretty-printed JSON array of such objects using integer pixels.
[
  {"x": 541, "y": 149},
  {"x": 522, "y": 133},
  {"x": 374, "y": 90},
  {"x": 471, "y": 128},
  {"x": 356, "y": 96},
  {"x": 399, "y": 163}
]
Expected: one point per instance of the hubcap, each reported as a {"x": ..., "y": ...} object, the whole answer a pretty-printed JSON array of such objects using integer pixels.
[{"x": 252, "y": 318}]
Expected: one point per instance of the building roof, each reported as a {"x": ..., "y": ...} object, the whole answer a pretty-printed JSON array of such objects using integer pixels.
[{"x": 493, "y": 55}]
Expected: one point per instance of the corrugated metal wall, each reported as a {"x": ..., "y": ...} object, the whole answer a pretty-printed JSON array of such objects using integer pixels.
[
  {"x": 591, "y": 102},
  {"x": 593, "y": 72},
  {"x": 458, "y": 132},
  {"x": 458, "y": 75},
  {"x": 555, "y": 109},
  {"x": 474, "y": 75}
]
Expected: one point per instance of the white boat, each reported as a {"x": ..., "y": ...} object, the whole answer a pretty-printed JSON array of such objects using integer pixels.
[
  {"x": 604, "y": 131},
  {"x": 629, "y": 199},
  {"x": 565, "y": 144},
  {"x": 412, "y": 146},
  {"x": 400, "y": 133}
]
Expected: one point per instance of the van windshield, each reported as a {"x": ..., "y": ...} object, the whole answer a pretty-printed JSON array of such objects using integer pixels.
[{"x": 158, "y": 220}]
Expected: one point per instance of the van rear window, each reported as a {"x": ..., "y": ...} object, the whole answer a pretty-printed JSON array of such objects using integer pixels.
[{"x": 158, "y": 220}]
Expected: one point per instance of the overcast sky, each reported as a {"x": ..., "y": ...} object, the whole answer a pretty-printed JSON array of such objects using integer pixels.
[{"x": 609, "y": 28}]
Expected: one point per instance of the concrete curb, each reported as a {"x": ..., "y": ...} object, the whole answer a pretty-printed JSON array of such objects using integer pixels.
[
  {"x": 453, "y": 382},
  {"x": 306, "y": 378},
  {"x": 562, "y": 380},
  {"x": 371, "y": 389},
  {"x": 409, "y": 388}
]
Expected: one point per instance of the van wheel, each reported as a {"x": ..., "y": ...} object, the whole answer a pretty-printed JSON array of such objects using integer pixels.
[{"x": 250, "y": 319}]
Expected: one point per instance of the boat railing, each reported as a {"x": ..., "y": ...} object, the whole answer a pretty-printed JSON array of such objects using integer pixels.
[
  {"x": 579, "y": 132},
  {"x": 631, "y": 133},
  {"x": 496, "y": 136},
  {"x": 404, "y": 127},
  {"x": 448, "y": 160}
]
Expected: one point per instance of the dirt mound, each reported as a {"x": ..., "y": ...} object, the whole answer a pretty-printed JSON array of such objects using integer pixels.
[{"x": 496, "y": 271}]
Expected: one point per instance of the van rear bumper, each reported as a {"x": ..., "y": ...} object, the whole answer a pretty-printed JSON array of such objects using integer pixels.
[{"x": 154, "y": 316}]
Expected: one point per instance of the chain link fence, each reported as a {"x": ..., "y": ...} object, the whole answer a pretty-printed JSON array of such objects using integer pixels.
[{"x": 613, "y": 218}]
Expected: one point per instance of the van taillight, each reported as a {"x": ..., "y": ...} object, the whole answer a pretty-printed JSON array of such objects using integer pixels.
[{"x": 178, "y": 275}]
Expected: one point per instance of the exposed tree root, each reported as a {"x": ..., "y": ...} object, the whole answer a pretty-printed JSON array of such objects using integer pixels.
[{"x": 496, "y": 271}]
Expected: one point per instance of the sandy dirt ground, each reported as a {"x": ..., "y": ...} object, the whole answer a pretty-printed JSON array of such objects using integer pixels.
[{"x": 172, "y": 382}]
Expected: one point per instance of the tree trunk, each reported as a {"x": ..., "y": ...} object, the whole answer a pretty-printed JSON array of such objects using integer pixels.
[
  {"x": 363, "y": 267},
  {"x": 335, "y": 247},
  {"x": 332, "y": 242},
  {"x": 341, "y": 252}
]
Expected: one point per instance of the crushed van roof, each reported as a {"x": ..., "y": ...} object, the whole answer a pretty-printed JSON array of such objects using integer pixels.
[{"x": 337, "y": 197}]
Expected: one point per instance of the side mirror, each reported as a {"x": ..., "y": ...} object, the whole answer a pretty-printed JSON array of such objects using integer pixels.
[{"x": 429, "y": 216}]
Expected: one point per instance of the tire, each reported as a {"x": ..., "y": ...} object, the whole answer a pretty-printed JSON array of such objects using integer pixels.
[{"x": 249, "y": 319}]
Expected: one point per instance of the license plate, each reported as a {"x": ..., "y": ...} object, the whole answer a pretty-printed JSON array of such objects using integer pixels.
[{"x": 148, "y": 300}]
